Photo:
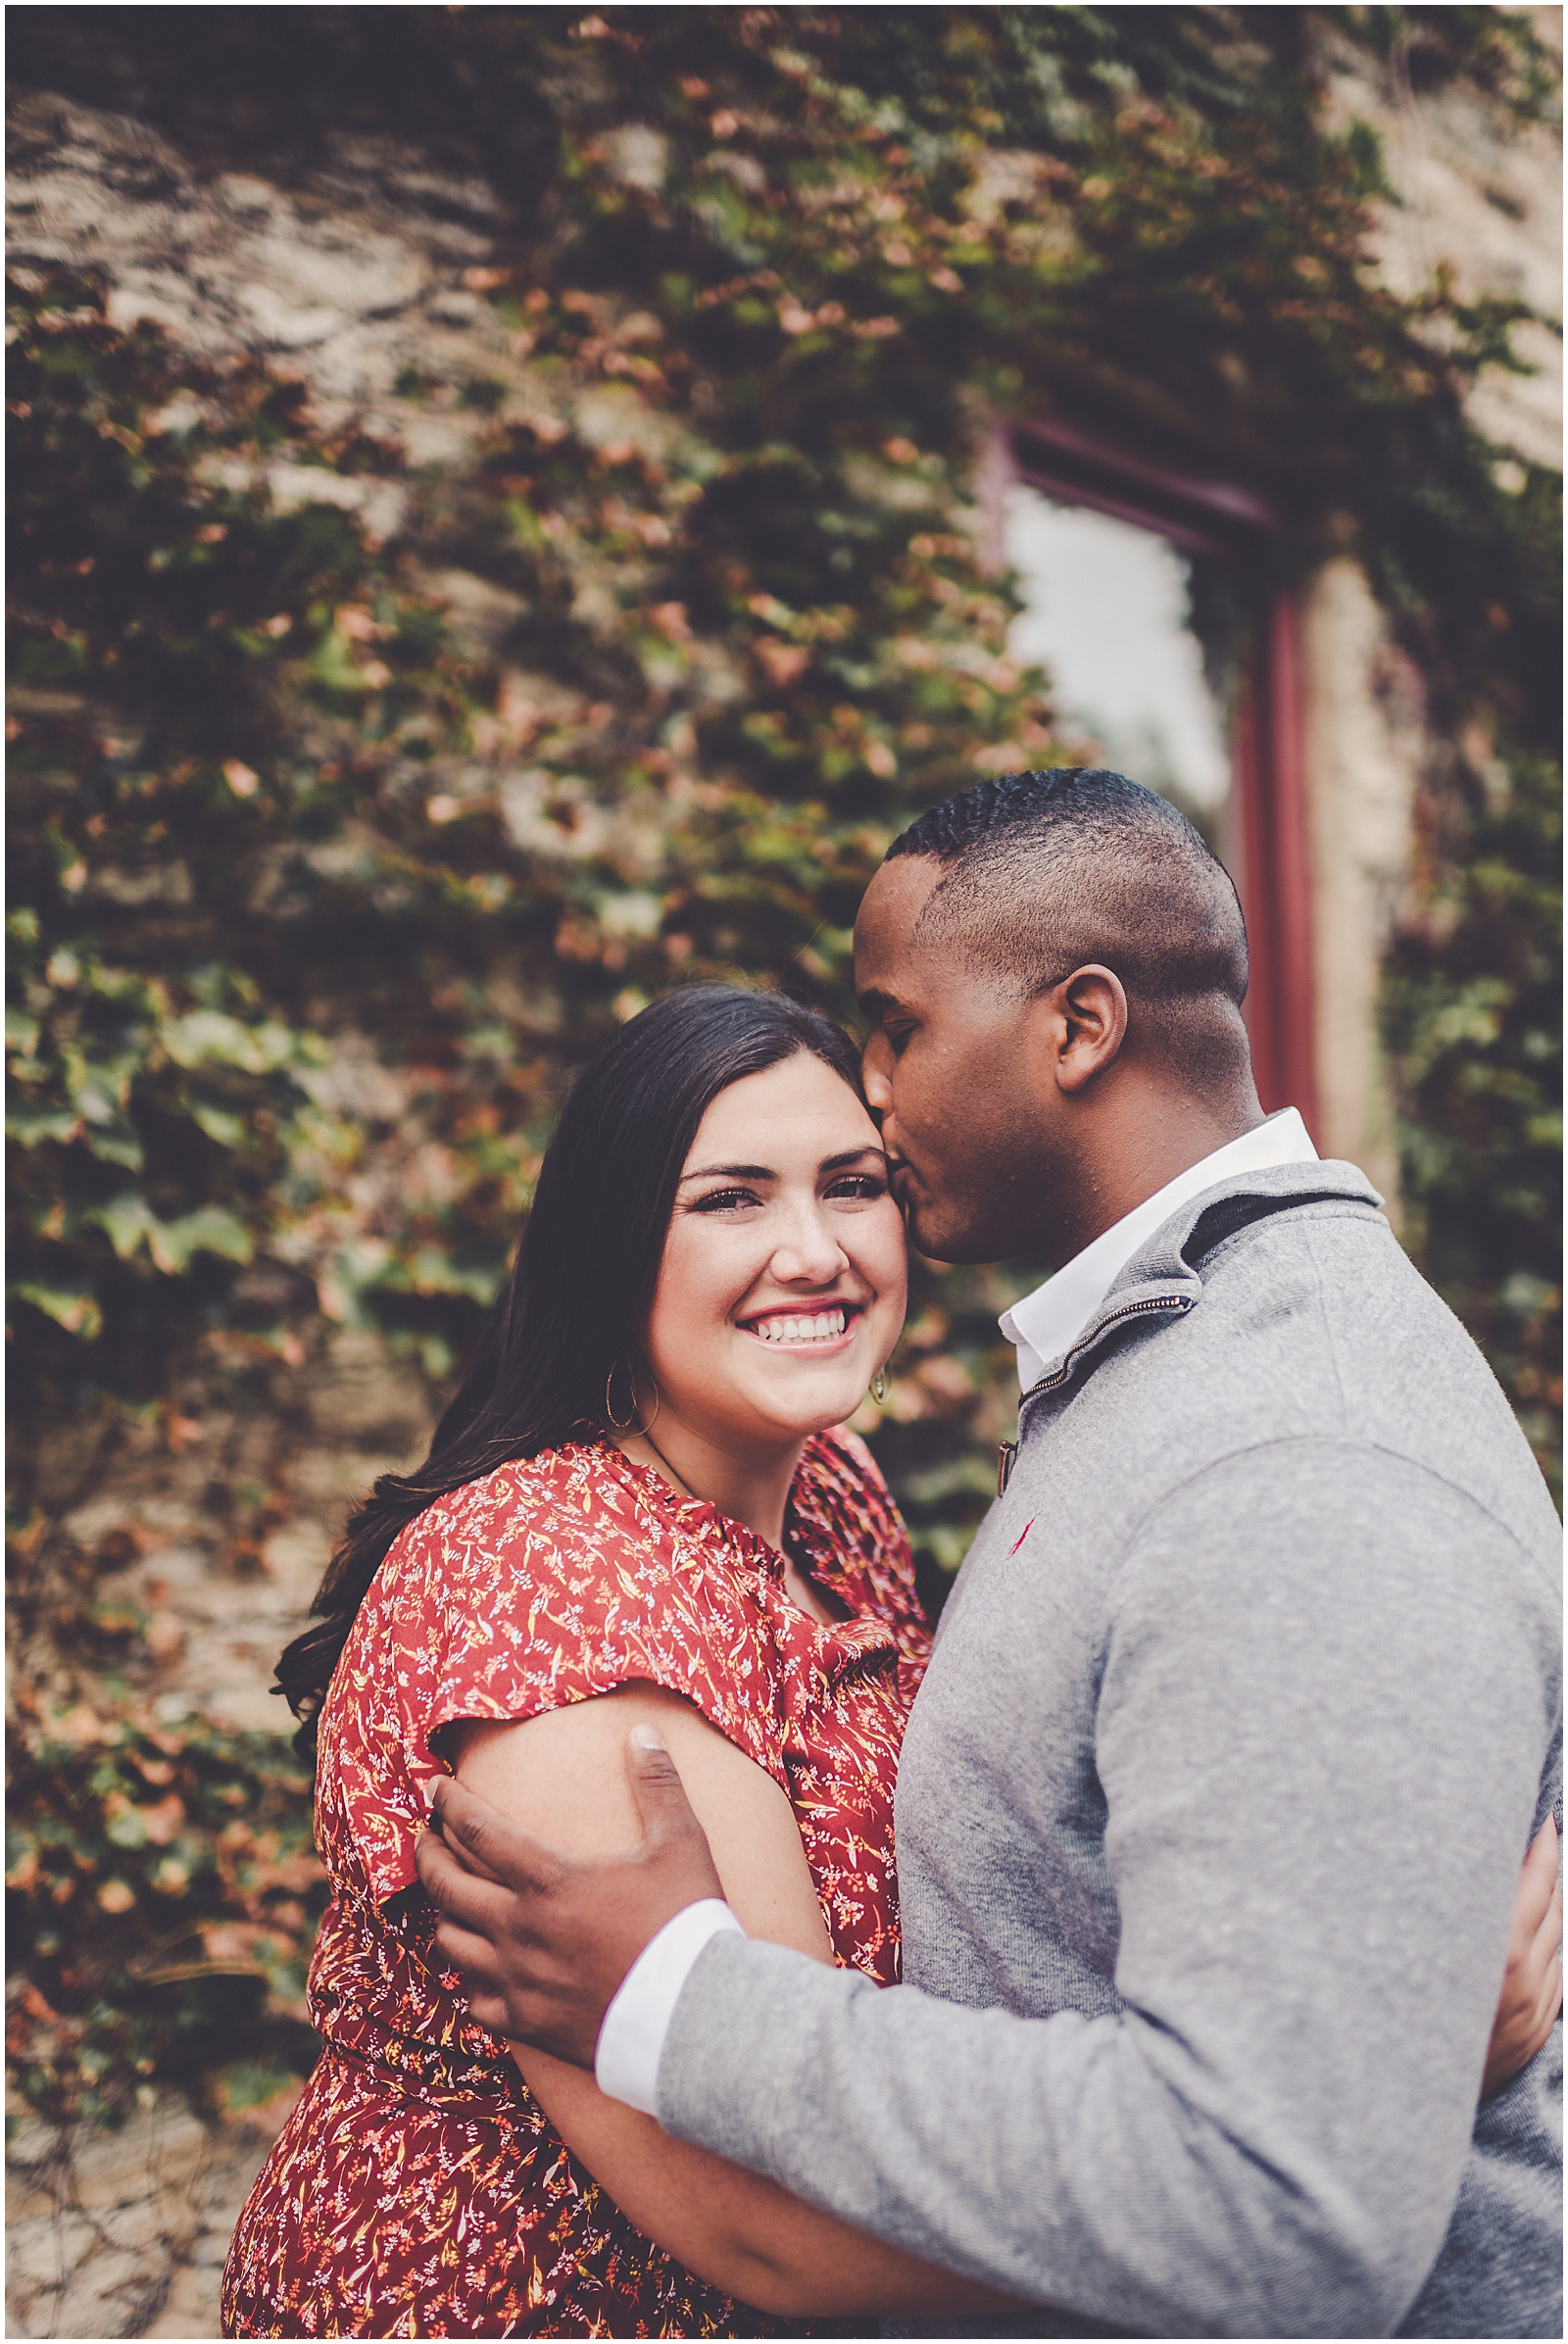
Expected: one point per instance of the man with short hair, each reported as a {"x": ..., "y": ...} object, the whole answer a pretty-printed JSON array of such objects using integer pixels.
[{"x": 1242, "y": 1712}]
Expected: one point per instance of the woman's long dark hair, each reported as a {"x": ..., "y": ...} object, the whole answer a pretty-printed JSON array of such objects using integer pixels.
[{"x": 585, "y": 1272}]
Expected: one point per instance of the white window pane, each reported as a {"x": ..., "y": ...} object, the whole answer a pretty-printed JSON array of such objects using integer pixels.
[{"x": 1105, "y": 615}]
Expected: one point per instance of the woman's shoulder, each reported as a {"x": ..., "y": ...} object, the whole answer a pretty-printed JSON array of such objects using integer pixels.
[
  {"x": 553, "y": 1564},
  {"x": 548, "y": 1581},
  {"x": 563, "y": 1506}
]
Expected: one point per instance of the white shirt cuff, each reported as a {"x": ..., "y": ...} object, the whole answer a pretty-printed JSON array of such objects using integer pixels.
[{"x": 632, "y": 2036}]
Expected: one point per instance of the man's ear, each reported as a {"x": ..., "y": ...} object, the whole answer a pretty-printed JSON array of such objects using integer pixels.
[{"x": 1092, "y": 1005}]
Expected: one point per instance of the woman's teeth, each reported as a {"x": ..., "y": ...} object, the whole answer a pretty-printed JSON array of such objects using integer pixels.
[{"x": 820, "y": 1327}]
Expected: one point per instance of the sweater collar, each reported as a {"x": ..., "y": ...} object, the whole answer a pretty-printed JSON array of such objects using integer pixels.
[
  {"x": 1048, "y": 1322},
  {"x": 1161, "y": 1274},
  {"x": 1161, "y": 1280}
]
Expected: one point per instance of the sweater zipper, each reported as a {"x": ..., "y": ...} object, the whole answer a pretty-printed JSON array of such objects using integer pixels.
[{"x": 1008, "y": 1450}]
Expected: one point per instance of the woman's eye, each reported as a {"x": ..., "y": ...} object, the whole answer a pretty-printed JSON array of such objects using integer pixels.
[
  {"x": 723, "y": 1201},
  {"x": 866, "y": 1185}
]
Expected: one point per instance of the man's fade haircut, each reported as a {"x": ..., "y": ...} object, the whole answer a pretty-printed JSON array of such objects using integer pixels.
[{"x": 1047, "y": 871}]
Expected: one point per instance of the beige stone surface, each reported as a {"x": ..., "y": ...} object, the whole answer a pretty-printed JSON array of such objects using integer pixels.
[
  {"x": 1365, "y": 746},
  {"x": 125, "y": 2233},
  {"x": 1481, "y": 194},
  {"x": 349, "y": 277}
]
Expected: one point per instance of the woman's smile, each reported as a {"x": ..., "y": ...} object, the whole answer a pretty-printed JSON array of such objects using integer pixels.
[{"x": 815, "y": 1330}]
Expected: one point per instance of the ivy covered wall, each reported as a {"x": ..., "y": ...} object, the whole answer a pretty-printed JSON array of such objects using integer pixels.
[{"x": 493, "y": 537}]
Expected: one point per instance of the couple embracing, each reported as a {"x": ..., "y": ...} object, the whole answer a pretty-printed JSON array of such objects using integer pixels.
[{"x": 1223, "y": 2006}]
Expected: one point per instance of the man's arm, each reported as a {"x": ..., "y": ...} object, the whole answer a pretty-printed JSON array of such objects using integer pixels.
[
  {"x": 1326, "y": 1699},
  {"x": 545, "y": 1939},
  {"x": 1314, "y": 1862},
  {"x": 734, "y": 2228}
]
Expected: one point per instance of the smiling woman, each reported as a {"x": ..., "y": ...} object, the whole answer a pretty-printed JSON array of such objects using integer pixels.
[
  {"x": 780, "y": 1294},
  {"x": 641, "y": 1506}
]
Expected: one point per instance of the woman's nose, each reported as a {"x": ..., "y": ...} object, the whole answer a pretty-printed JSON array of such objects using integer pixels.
[{"x": 809, "y": 1250}]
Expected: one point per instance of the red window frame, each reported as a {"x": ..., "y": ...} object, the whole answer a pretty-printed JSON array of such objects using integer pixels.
[{"x": 1225, "y": 521}]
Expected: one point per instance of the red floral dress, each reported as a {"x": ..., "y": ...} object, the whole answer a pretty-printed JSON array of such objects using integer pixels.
[{"x": 417, "y": 2189}]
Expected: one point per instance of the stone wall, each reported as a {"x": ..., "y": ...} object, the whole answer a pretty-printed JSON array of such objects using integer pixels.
[
  {"x": 1481, "y": 195},
  {"x": 345, "y": 278},
  {"x": 125, "y": 2233}
]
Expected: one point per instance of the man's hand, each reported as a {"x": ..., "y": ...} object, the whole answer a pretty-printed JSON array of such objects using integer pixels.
[
  {"x": 1532, "y": 1984},
  {"x": 544, "y": 1939}
]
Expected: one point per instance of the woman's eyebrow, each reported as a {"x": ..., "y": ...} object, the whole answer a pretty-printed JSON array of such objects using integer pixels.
[
  {"x": 829, "y": 1163},
  {"x": 730, "y": 1172}
]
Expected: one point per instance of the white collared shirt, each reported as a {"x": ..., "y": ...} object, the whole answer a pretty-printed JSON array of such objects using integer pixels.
[
  {"x": 1043, "y": 1326},
  {"x": 1046, "y": 1323}
]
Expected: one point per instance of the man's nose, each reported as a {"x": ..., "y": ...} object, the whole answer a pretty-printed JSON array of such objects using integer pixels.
[{"x": 878, "y": 1088}]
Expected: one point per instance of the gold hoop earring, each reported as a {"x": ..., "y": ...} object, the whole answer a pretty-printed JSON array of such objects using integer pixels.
[
  {"x": 631, "y": 1423},
  {"x": 879, "y": 1385}
]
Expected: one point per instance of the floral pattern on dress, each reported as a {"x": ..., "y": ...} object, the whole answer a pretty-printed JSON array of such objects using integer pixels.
[{"x": 417, "y": 2189}]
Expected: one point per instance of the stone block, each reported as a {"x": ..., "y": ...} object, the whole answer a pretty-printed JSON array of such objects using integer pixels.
[
  {"x": 111, "y": 2168},
  {"x": 157, "y": 2151},
  {"x": 32, "y": 2143},
  {"x": 30, "y": 2312},
  {"x": 105, "y": 2295},
  {"x": 190, "y": 2308},
  {"x": 29, "y": 2198},
  {"x": 150, "y": 2228},
  {"x": 46, "y": 2251}
]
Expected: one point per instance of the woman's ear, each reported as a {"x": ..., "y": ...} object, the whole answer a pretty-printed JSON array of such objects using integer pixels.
[{"x": 1092, "y": 1005}]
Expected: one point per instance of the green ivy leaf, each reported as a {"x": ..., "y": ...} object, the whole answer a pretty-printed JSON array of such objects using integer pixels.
[
  {"x": 210, "y": 1229},
  {"x": 210, "y": 1036},
  {"x": 218, "y": 1123},
  {"x": 71, "y": 1305}
]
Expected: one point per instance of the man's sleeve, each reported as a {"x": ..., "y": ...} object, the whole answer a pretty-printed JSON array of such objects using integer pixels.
[
  {"x": 1326, "y": 1700},
  {"x": 631, "y": 2040}
]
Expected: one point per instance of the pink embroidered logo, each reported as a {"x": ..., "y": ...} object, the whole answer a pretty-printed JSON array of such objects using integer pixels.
[{"x": 1023, "y": 1534}]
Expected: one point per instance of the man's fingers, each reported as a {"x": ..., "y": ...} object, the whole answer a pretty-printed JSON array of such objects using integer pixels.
[
  {"x": 1547, "y": 2004},
  {"x": 504, "y": 1850},
  {"x": 490, "y": 2011},
  {"x": 1547, "y": 1943},
  {"x": 1543, "y": 1962},
  {"x": 483, "y": 1981},
  {"x": 464, "y": 1857},
  {"x": 1529, "y": 1959},
  {"x": 487, "y": 1986},
  {"x": 661, "y": 1800},
  {"x": 657, "y": 1785},
  {"x": 461, "y": 1949},
  {"x": 1538, "y": 1882},
  {"x": 466, "y": 1897},
  {"x": 1535, "y": 1955}
]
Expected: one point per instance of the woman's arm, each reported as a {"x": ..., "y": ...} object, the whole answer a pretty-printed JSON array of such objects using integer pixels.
[{"x": 565, "y": 1772}]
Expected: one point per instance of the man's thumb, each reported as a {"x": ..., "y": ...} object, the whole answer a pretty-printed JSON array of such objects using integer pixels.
[{"x": 658, "y": 1789}]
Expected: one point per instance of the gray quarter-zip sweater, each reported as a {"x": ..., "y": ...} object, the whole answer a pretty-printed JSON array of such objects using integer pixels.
[{"x": 1242, "y": 1715}]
